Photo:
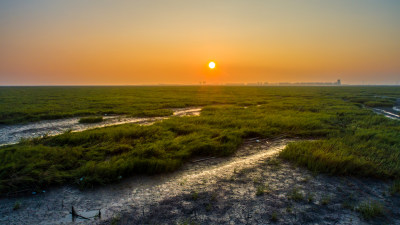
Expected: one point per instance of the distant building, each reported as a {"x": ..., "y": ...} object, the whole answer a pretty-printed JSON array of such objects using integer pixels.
[{"x": 338, "y": 82}]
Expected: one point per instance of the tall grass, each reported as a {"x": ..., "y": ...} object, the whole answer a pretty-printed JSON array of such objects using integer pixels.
[
  {"x": 367, "y": 146},
  {"x": 370, "y": 209}
]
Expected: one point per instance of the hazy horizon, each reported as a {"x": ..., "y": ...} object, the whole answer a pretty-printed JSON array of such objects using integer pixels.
[{"x": 171, "y": 43}]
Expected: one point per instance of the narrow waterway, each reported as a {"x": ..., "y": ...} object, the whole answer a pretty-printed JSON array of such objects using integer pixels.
[
  {"x": 11, "y": 134},
  {"x": 389, "y": 112}
]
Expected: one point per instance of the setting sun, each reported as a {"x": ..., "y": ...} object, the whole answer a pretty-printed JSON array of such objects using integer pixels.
[
  {"x": 306, "y": 95},
  {"x": 211, "y": 65}
]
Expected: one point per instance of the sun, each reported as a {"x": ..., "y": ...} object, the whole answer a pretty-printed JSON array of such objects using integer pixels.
[{"x": 211, "y": 65}]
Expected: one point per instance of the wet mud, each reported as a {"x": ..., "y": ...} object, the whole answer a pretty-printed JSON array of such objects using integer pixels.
[{"x": 251, "y": 187}]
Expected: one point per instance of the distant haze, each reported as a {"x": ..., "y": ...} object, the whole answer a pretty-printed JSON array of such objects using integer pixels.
[{"x": 75, "y": 42}]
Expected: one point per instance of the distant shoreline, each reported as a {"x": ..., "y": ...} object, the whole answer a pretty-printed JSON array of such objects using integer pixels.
[{"x": 212, "y": 85}]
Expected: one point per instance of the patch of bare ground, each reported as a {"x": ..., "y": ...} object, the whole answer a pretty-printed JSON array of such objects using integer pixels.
[{"x": 251, "y": 187}]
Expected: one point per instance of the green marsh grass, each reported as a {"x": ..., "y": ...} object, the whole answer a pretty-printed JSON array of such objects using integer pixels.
[
  {"x": 395, "y": 188},
  {"x": 370, "y": 209},
  {"x": 17, "y": 205},
  {"x": 349, "y": 139},
  {"x": 296, "y": 195}
]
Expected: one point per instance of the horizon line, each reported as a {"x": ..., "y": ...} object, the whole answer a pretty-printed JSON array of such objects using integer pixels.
[{"x": 200, "y": 85}]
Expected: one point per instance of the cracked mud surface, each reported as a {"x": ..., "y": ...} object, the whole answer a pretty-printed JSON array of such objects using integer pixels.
[{"x": 251, "y": 187}]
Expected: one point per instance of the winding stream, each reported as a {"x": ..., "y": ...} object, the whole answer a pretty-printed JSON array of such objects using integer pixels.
[
  {"x": 391, "y": 113},
  {"x": 11, "y": 134}
]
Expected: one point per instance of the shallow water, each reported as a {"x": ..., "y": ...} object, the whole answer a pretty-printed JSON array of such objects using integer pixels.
[
  {"x": 391, "y": 113},
  {"x": 387, "y": 112},
  {"x": 11, "y": 134}
]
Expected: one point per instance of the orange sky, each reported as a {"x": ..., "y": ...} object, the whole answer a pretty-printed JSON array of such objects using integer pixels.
[{"x": 171, "y": 42}]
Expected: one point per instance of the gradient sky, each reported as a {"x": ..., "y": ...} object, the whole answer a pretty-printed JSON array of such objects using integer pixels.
[{"x": 80, "y": 42}]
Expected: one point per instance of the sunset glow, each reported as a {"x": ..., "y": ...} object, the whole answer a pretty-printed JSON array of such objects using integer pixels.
[
  {"x": 138, "y": 42},
  {"x": 211, "y": 65}
]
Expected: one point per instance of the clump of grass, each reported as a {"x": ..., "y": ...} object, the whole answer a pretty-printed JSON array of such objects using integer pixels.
[
  {"x": 188, "y": 222},
  {"x": 395, "y": 188},
  {"x": 214, "y": 196},
  {"x": 92, "y": 119},
  {"x": 306, "y": 179},
  {"x": 349, "y": 202},
  {"x": 209, "y": 207},
  {"x": 275, "y": 164},
  {"x": 195, "y": 195},
  {"x": 274, "y": 217},
  {"x": 296, "y": 195},
  {"x": 370, "y": 209},
  {"x": 257, "y": 180},
  {"x": 244, "y": 171},
  {"x": 262, "y": 189},
  {"x": 116, "y": 219},
  {"x": 17, "y": 205},
  {"x": 348, "y": 205},
  {"x": 310, "y": 197},
  {"x": 325, "y": 200}
]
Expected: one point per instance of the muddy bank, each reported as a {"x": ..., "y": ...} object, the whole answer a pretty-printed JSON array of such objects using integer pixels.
[
  {"x": 13, "y": 133},
  {"x": 54, "y": 206},
  {"x": 265, "y": 190},
  {"x": 253, "y": 186}
]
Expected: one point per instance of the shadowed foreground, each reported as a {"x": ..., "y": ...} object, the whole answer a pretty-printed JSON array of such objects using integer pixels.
[
  {"x": 267, "y": 190},
  {"x": 253, "y": 186}
]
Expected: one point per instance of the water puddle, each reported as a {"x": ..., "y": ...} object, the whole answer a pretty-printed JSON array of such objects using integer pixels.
[
  {"x": 387, "y": 113},
  {"x": 11, "y": 134},
  {"x": 391, "y": 113},
  {"x": 82, "y": 217}
]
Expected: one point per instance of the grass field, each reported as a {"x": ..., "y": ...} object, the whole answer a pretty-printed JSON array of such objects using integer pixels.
[{"x": 349, "y": 138}]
